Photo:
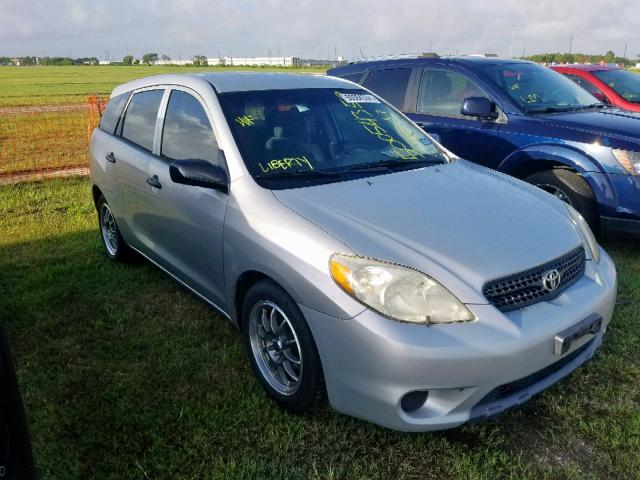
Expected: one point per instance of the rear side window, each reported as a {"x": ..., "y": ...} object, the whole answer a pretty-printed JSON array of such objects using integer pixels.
[
  {"x": 140, "y": 118},
  {"x": 389, "y": 84},
  {"x": 442, "y": 92},
  {"x": 187, "y": 133},
  {"x": 112, "y": 113}
]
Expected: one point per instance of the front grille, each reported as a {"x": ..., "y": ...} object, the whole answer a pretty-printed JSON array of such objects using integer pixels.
[
  {"x": 526, "y": 288},
  {"x": 512, "y": 388}
]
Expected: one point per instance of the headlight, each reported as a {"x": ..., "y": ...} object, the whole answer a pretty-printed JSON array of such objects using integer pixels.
[
  {"x": 588, "y": 238},
  {"x": 397, "y": 292},
  {"x": 630, "y": 161}
]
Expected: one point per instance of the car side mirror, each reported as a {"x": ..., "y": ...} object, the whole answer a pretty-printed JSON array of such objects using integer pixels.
[
  {"x": 479, "y": 107},
  {"x": 199, "y": 173}
]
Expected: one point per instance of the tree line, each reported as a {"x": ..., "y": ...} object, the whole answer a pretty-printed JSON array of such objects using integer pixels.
[
  {"x": 147, "y": 59},
  {"x": 609, "y": 57}
]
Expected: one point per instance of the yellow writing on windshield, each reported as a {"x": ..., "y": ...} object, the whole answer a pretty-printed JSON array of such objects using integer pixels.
[
  {"x": 370, "y": 123},
  {"x": 286, "y": 163},
  {"x": 245, "y": 120}
]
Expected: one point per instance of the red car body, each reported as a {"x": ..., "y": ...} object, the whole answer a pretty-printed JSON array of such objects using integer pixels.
[{"x": 584, "y": 76}]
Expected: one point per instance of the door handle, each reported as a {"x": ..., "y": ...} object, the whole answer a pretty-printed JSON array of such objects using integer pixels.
[
  {"x": 111, "y": 158},
  {"x": 154, "y": 182}
]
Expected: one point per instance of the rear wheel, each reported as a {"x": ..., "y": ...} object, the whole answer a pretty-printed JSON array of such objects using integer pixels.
[
  {"x": 114, "y": 245},
  {"x": 571, "y": 188},
  {"x": 281, "y": 349}
]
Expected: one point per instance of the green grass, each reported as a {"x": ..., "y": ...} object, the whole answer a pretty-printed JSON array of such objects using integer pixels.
[
  {"x": 49, "y": 85},
  {"x": 126, "y": 375}
]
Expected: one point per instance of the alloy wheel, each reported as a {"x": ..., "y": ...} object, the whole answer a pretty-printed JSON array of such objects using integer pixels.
[{"x": 275, "y": 347}]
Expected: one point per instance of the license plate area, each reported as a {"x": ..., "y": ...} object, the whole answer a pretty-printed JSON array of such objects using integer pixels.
[{"x": 577, "y": 334}]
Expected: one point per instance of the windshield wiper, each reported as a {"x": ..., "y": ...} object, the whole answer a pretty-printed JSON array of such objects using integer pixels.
[
  {"x": 550, "y": 110},
  {"x": 388, "y": 165},
  {"x": 301, "y": 173},
  {"x": 564, "y": 109},
  {"x": 593, "y": 105}
]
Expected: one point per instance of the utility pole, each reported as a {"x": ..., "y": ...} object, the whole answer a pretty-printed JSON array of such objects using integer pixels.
[
  {"x": 430, "y": 50},
  {"x": 571, "y": 43},
  {"x": 625, "y": 50},
  {"x": 513, "y": 38}
]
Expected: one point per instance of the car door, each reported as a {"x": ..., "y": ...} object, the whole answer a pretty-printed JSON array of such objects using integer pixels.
[
  {"x": 129, "y": 154},
  {"x": 438, "y": 101},
  {"x": 186, "y": 222}
]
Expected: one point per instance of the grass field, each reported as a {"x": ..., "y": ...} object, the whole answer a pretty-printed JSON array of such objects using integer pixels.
[
  {"x": 50, "y": 85},
  {"x": 126, "y": 375}
]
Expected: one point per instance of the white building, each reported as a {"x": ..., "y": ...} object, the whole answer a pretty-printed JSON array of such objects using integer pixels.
[
  {"x": 173, "y": 62},
  {"x": 257, "y": 61}
]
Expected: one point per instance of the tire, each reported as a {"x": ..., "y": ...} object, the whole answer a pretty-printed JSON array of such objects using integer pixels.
[
  {"x": 571, "y": 188},
  {"x": 114, "y": 245},
  {"x": 275, "y": 343}
]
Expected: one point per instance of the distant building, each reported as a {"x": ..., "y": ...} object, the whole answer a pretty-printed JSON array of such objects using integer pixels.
[
  {"x": 257, "y": 61},
  {"x": 16, "y": 61},
  {"x": 101, "y": 62},
  {"x": 638, "y": 65},
  {"x": 173, "y": 62}
]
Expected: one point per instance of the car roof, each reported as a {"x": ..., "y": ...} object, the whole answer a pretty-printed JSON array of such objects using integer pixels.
[
  {"x": 585, "y": 68},
  {"x": 361, "y": 65},
  {"x": 224, "y": 82}
]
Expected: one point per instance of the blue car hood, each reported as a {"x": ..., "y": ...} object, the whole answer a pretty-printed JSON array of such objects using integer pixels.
[
  {"x": 456, "y": 221},
  {"x": 609, "y": 122}
]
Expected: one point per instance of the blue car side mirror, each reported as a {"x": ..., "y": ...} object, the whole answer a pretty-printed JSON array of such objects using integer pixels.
[{"x": 480, "y": 107}]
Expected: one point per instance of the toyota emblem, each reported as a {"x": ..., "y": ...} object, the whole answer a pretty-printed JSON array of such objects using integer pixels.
[{"x": 551, "y": 280}]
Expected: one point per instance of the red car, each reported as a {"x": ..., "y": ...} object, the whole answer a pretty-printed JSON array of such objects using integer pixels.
[{"x": 612, "y": 85}]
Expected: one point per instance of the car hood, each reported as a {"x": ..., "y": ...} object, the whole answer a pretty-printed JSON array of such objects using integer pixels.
[
  {"x": 460, "y": 223},
  {"x": 610, "y": 122}
]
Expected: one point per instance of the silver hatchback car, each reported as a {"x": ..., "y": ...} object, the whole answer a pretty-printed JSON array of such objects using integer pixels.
[{"x": 360, "y": 260}]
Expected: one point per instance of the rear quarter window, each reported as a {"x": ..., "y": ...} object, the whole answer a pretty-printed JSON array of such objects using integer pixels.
[
  {"x": 389, "y": 84},
  {"x": 113, "y": 112}
]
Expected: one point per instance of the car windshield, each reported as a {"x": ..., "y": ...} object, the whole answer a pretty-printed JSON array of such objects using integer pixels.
[
  {"x": 537, "y": 89},
  {"x": 292, "y": 138},
  {"x": 623, "y": 82}
]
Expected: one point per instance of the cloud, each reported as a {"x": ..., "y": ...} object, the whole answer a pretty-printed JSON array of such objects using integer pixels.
[{"x": 312, "y": 28}]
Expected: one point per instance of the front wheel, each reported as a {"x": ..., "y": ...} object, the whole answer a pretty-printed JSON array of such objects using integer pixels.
[
  {"x": 571, "y": 188},
  {"x": 281, "y": 349}
]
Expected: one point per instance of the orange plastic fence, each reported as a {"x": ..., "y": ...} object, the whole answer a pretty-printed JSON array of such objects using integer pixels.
[{"x": 43, "y": 140}]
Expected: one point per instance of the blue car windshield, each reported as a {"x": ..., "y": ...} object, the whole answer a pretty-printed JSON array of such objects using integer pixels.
[
  {"x": 290, "y": 138},
  {"x": 623, "y": 82},
  {"x": 537, "y": 89}
]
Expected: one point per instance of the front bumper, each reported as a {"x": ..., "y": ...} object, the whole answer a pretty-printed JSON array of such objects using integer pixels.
[
  {"x": 620, "y": 227},
  {"x": 370, "y": 363},
  {"x": 619, "y": 205}
]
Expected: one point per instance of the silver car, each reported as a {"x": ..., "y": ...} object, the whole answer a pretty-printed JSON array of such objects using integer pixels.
[{"x": 360, "y": 260}]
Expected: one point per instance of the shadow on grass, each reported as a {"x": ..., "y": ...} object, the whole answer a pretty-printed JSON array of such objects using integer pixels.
[{"x": 125, "y": 374}]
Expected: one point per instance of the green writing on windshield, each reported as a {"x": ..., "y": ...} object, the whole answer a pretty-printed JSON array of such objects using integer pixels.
[
  {"x": 245, "y": 120},
  {"x": 287, "y": 163},
  {"x": 370, "y": 123}
]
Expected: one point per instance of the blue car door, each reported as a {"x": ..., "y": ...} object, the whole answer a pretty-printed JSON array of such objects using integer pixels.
[{"x": 439, "y": 96}]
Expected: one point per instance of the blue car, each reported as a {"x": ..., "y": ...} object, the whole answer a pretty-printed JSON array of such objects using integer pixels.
[{"x": 522, "y": 119}]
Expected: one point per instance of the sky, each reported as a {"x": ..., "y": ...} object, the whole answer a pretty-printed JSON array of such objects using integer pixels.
[{"x": 315, "y": 28}]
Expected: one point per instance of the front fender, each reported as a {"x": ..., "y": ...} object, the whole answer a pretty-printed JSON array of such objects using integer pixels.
[{"x": 568, "y": 156}]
